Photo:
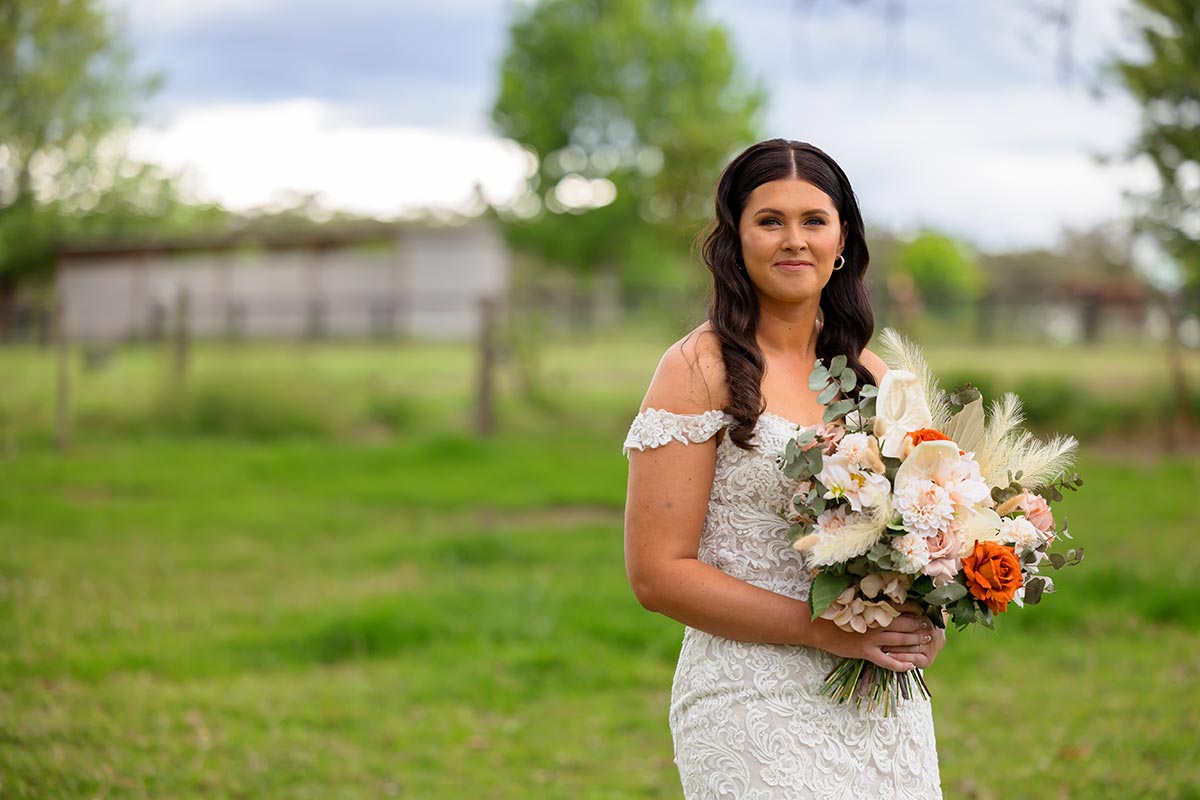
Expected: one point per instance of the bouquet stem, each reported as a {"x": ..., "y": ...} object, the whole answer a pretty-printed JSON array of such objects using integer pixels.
[{"x": 867, "y": 685}]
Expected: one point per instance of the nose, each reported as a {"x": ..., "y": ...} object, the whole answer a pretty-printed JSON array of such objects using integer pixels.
[{"x": 794, "y": 240}]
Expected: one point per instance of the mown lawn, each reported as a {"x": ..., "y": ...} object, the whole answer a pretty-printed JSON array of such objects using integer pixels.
[{"x": 275, "y": 612}]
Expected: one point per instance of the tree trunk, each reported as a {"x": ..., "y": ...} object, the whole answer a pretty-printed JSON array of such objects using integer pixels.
[{"x": 1183, "y": 422}]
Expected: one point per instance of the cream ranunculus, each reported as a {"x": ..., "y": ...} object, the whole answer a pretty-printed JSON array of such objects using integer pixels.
[{"x": 899, "y": 409}]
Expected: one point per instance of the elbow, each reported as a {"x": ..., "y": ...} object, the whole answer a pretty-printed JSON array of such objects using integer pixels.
[{"x": 645, "y": 591}]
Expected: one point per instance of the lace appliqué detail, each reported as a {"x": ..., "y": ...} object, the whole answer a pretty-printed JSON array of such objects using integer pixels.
[
  {"x": 746, "y": 719},
  {"x": 655, "y": 427}
]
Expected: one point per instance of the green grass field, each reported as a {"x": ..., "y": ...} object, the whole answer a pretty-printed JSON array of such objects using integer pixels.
[{"x": 198, "y": 600}]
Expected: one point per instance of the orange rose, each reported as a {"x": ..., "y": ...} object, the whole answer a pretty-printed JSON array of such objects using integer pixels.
[
  {"x": 993, "y": 574},
  {"x": 927, "y": 435}
]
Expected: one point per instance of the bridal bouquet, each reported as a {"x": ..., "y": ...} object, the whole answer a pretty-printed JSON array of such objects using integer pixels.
[{"x": 914, "y": 494}]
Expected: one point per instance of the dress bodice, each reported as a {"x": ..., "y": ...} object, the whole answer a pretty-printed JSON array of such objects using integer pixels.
[{"x": 745, "y": 534}]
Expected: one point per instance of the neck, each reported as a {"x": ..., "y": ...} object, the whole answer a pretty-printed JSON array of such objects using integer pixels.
[{"x": 788, "y": 329}]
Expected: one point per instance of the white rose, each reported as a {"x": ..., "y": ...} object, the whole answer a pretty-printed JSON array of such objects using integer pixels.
[{"x": 900, "y": 409}]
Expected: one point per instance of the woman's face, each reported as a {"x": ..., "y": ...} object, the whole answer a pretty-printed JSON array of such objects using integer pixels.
[{"x": 791, "y": 236}]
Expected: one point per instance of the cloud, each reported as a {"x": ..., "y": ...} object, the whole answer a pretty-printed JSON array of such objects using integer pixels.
[
  {"x": 377, "y": 60},
  {"x": 1003, "y": 168},
  {"x": 954, "y": 118},
  {"x": 244, "y": 155}
]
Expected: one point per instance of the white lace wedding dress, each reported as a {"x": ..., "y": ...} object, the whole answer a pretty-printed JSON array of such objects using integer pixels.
[{"x": 746, "y": 718}]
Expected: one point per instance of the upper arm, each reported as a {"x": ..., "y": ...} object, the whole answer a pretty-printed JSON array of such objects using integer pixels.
[
  {"x": 669, "y": 486},
  {"x": 874, "y": 364}
]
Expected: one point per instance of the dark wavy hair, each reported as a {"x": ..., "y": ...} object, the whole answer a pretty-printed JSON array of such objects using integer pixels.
[{"x": 733, "y": 310}]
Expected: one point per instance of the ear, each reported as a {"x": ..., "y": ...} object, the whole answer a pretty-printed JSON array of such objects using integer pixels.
[{"x": 842, "y": 238}]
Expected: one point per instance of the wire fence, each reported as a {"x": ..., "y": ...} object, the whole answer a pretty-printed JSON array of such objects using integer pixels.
[{"x": 1058, "y": 318}]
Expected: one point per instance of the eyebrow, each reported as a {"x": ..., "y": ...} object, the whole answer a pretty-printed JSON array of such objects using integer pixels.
[{"x": 779, "y": 213}]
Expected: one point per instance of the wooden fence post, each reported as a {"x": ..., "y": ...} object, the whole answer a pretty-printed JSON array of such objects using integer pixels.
[
  {"x": 62, "y": 418},
  {"x": 181, "y": 339},
  {"x": 485, "y": 411}
]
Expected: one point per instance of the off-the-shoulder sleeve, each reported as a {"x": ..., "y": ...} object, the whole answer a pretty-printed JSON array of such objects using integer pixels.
[{"x": 655, "y": 427}]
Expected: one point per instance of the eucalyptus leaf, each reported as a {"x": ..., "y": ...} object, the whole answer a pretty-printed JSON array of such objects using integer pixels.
[
  {"x": 884, "y": 557},
  {"x": 818, "y": 378},
  {"x": 984, "y": 616},
  {"x": 837, "y": 364},
  {"x": 868, "y": 390},
  {"x": 848, "y": 379},
  {"x": 945, "y": 595},
  {"x": 1033, "y": 591},
  {"x": 1058, "y": 560},
  {"x": 964, "y": 395},
  {"x": 825, "y": 589},
  {"x": 838, "y": 409},
  {"x": 963, "y": 612},
  {"x": 829, "y": 392}
]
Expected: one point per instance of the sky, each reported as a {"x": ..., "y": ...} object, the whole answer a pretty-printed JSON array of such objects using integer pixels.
[{"x": 955, "y": 117}]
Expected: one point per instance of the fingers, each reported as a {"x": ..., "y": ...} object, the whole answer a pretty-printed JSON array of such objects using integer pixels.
[
  {"x": 918, "y": 659},
  {"x": 893, "y": 640},
  {"x": 906, "y": 623},
  {"x": 888, "y": 661}
]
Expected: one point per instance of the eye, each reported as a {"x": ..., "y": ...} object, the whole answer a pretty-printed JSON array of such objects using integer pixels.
[
  {"x": 769, "y": 221},
  {"x": 817, "y": 220}
]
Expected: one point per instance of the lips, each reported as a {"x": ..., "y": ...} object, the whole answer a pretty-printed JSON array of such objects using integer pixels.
[{"x": 793, "y": 266}]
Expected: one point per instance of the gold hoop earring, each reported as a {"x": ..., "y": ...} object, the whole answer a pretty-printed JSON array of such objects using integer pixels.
[{"x": 837, "y": 266}]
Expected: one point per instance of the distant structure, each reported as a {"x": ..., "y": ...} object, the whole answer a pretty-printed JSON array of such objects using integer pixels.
[{"x": 379, "y": 282}]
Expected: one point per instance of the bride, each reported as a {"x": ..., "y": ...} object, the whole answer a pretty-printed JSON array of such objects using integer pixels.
[{"x": 704, "y": 540}]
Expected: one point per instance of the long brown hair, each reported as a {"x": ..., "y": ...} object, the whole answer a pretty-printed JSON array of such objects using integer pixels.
[{"x": 733, "y": 310}]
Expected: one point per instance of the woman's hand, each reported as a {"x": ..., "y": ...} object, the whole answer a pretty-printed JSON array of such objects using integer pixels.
[
  {"x": 910, "y": 641},
  {"x": 924, "y": 653}
]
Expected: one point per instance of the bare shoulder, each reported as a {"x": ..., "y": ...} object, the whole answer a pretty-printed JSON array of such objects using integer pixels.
[
  {"x": 690, "y": 378},
  {"x": 873, "y": 363}
]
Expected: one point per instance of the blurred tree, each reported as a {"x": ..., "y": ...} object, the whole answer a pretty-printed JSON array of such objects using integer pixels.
[
  {"x": 943, "y": 270},
  {"x": 1165, "y": 80},
  {"x": 630, "y": 109},
  {"x": 66, "y": 85}
]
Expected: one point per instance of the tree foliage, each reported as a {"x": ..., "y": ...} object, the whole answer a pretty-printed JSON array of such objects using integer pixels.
[
  {"x": 943, "y": 270},
  {"x": 1165, "y": 81},
  {"x": 66, "y": 88},
  {"x": 630, "y": 108}
]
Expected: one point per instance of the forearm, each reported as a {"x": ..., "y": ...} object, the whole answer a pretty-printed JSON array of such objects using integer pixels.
[{"x": 703, "y": 597}]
